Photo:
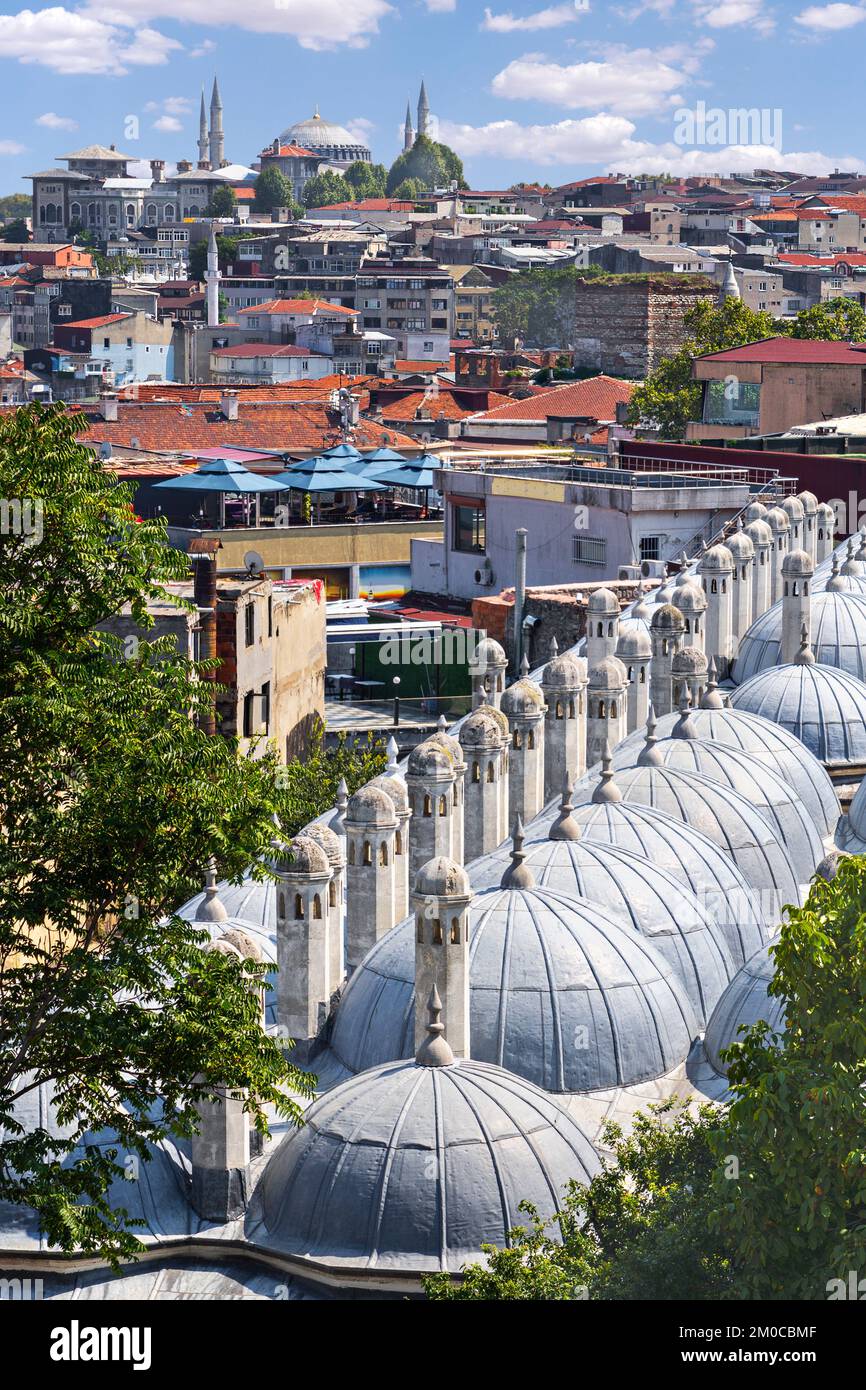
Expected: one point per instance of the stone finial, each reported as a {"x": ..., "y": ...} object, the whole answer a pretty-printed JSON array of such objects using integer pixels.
[
  {"x": 211, "y": 908},
  {"x": 393, "y": 752},
  {"x": 650, "y": 755},
  {"x": 713, "y": 699},
  {"x": 684, "y": 727},
  {"x": 554, "y": 649},
  {"x": 442, "y": 724},
  {"x": 337, "y": 823},
  {"x": 861, "y": 549},
  {"x": 805, "y": 656},
  {"x": 434, "y": 1050},
  {"x": 518, "y": 874},
  {"x": 565, "y": 827},
  {"x": 524, "y": 665},
  {"x": 607, "y": 790}
]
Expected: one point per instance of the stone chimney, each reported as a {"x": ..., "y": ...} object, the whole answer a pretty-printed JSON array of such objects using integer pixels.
[
  {"x": 440, "y": 901},
  {"x": 229, "y": 404},
  {"x": 108, "y": 406}
]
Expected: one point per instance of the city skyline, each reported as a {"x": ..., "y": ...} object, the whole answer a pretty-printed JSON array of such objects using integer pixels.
[{"x": 556, "y": 92}]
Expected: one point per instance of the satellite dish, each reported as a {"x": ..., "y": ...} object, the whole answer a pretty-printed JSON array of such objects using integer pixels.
[
  {"x": 253, "y": 562},
  {"x": 105, "y": 451}
]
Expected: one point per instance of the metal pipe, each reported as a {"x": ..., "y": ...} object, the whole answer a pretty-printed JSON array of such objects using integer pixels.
[{"x": 519, "y": 598}]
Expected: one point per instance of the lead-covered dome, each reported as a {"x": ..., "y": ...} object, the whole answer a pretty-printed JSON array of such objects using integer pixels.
[
  {"x": 413, "y": 1168},
  {"x": 726, "y": 818},
  {"x": 744, "y": 1003},
  {"x": 333, "y": 142},
  {"x": 837, "y": 636},
  {"x": 561, "y": 993},
  {"x": 646, "y": 898},
  {"x": 822, "y": 706},
  {"x": 780, "y": 806},
  {"x": 763, "y": 741}
]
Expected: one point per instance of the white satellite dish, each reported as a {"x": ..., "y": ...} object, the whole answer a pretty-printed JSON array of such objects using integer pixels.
[{"x": 253, "y": 562}]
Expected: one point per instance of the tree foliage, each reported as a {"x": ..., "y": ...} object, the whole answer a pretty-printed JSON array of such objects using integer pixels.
[
  {"x": 327, "y": 188},
  {"x": 836, "y": 320},
  {"x": 366, "y": 180},
  {"x": 15, "y": 205},
  {"x": 16, "y": 231},
  {"x": 433, "y": 164},
  {"x": 223, "y": 202},
  {"x": 410, "y": 190},
  {"x": 273, "y": 190},
  {"x": 113, "y": 802},
  {"x": 536, "y": 307},
  {"x": 762, "y": 1199}
]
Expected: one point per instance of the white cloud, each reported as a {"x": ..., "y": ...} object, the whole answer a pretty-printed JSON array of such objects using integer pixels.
[
  {"x": 360, "y": 129},
  {"x": 608, "y": 142},
  {"x": 169, "y": 124},
  {"x": 551, "y": 18},
  {"x": 316, "y": 24},
  {"x": 441, "y": 6},
  {"x": 172, "y": 106},
  {"x": 830, "y": 17},
  {"x": 11, "y": 147},
  {"x": 635, "y": 82},
  {"x": 726, "y": 14},
  {"x": 75, "y": 41},
  {"x": 55, "y": 122},
  {"x": 206, "y": 46}
]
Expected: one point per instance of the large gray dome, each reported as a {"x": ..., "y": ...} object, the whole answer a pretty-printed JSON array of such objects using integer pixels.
[
  {"x": 413, "y": 1168},
  {"x": 333, "y": 142},
  {"x": 561, "y": 993},
  {"x": 726, "y": 818},
  {"x": 823, "y": 707},
  {"x": 781, "y": 807},
  {"x": 646, "y": 898},
  {"x": 763, "y": 741},
  {"x": 837, "y": 636},
  {"x": 744, "y": 1003}
]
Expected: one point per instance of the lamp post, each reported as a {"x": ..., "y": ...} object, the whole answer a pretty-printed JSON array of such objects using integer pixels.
[{"x": 396, "y": 684}]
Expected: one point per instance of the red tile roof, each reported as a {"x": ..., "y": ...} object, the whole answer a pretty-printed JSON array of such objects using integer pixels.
[
  {"x": 298, "y": 306},
  {"x": 290, "y": 152},
  {"x": 792, "y": 350},
  {"x": 265, "y": 350},
  {"x": 595, "y": 398},
  {"x": 405, "y": 364},
  {"x": 319, "y": 389},
  {"x": 366, "y": 205},
  {"x": 831, "y": 260},
  {"x": 439, "y": 405},
  {"x": 101, "y": 321}
]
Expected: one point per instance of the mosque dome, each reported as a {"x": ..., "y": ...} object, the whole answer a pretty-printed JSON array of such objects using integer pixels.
[
  {"x": 430, "y": 759},
  {"x": 524, "y": 697},
  {"x": 603, "y": 603},
  {"x": 544, "y": 970},
  {"x": 739, "y": 545},
  {"x": 480, "y": 729},
  {"x": 766, "y": 743},
  {"x": 413, "y": 1168},
  {"x": 822, "y": 706},
  {"x": 744, "y": 1002},
  {"x": 837, "y": 636},
  {"x": 725, "y": 817},
  {"x": 393, "y": 787},
  {"x": 644, "y": 896},
  {"x": 856, "y": 821},
  {"x": 305, "y": 857},
  {"x": 487, "y": 653},
  {"x": 756, "y": 511},
  {"x": 608, "y": 674},
  {"x": 250, "y": 906},
  {"x": 768, "y": 793},
  {"x": 328, "y": 841},
  {"x": 327, "y": 139},
  {"x": 442, "y": 876},
  {"x": 667, "y": 618},
  {"x": 370, "y": 806},
  {"x": 717, "y": 559},
  {"x": 633, "y": 642}
]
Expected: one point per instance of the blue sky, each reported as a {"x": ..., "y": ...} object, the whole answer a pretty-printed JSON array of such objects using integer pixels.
[{"x": 523, "y": 89}]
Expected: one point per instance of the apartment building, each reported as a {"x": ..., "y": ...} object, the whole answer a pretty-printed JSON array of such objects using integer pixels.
[{"x": 411, "y": 299}]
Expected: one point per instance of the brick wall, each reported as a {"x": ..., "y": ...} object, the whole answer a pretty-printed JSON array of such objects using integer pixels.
[{"x": 625, "y": 327}]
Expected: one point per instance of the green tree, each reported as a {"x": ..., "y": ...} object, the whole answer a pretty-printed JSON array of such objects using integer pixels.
[
  {"x": 223, "y": 202},
  {"x": 410, "y": 190},
  {"x": 433, "y": 164},
  {"x": 326, "y": 188},
  {"x": 15, "y": 205},
  {"x": 669, "y": 397},
  {"x": 837, "y": 320},
  {"x": 16, "y": 231},
  {"x": 310, "y": 784},
  {"x": 537, "y": 306},
  {"x": 366, "y": 180},
  {"x": 273, "y": 190},
  {"x": 113, "y": 801}
]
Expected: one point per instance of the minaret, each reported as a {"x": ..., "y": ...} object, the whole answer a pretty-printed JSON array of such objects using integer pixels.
[
  {"x": 809, "y": 502},
  {"x": 451, "y": 744},
  {"x": 716, "y": 569},
  {"x": 334, "y": 847},
  {"x": 729, "y": 289},
  {"x": 440, "y": 902},
  {"x": 371, "y": 827},
  {"x": 563, "y": 681},
  {"x": 423, "y": 111},
  {"x": 408, "y": 132},
  {"x": 793, "y": 509},
  {"x": 203, "y": 161},
  {"x": 485, "y": 750},
  {"x": 689, "y": 675},
  {"x": 797, "y": 571},
  {"x": 217, "y": 139},
  {"x": 487, "y": 667},
  {"x": 212, "y": 280},
  {"x": 523, "y": 705},
  {"x": 691, "y": 600},
  {"x": 395, "y": 788},
  {"x": 666, "y": 634},
  {"x": 303, "y": 955}
]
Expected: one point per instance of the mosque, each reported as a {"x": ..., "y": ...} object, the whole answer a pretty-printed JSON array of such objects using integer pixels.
[{"x": 551, "y": 915}]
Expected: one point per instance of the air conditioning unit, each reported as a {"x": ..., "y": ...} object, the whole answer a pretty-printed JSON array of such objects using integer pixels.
[
  {"x": 484, "y": 574},
  {"x": 653, "y": 569},
  {"x": 627, "y": 572}
]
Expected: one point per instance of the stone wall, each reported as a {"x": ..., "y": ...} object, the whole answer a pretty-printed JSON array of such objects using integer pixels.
[
  {"x": 561, "y": 611},
  {"x": 623, "y": 327}
]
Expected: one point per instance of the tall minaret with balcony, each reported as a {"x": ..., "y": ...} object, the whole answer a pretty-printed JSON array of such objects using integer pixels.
[
  {"x": 217, "y": 139},
  {"x": 423, "y": 111},
  {"x": 408, "y": 132},
  {"x": 203, "y": 154}
]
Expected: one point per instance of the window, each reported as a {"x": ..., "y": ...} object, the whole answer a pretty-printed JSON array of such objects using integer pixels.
[
  {"x": 468, "y": 529},
  {"x": 250, "y": 624},
  {"x": 249, "y": 699},
  {"x": 266, "y": 705},
  {"x": 588, "y": 550},
  {"x": 270, "y": 615},
  {"x": 650, "y": 547}
]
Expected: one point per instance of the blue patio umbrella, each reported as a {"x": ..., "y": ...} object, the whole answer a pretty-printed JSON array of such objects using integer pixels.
[
  {"x": 323, "y": 474},
  {"x": 416, "y": 473},
  {"x": 381, "y": 459},
  {"x": 342, "y": 451},
  {"x": 226, "y": 477}
]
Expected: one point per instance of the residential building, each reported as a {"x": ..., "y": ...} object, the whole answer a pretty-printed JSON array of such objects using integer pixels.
[
  {"x": 263, "y": 364},
  {"x": 413, "y": 299},
  {"x": 578, "y": 412},
  {"x": 120, "y": 347}
]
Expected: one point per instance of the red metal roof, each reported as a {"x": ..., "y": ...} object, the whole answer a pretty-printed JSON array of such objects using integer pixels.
[
  {"x": 99, "y": 322},
  {"x": 596, "y": 398},
  {"x": 792, "y": 350}
]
